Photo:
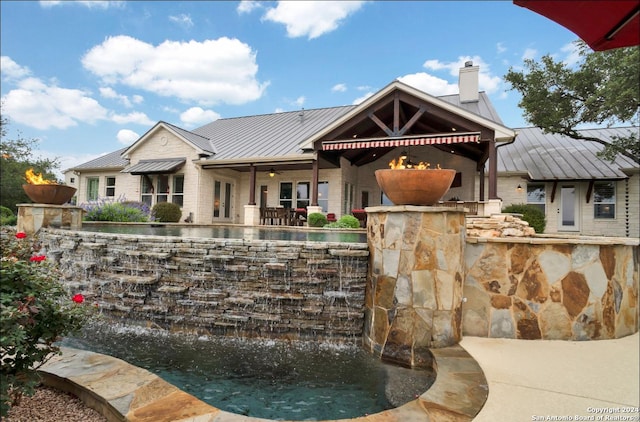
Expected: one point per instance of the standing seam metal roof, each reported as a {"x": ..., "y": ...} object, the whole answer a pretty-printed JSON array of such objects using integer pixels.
[
  {"x": 267, "y": 135},
  {"x": 546, "y": 156}
]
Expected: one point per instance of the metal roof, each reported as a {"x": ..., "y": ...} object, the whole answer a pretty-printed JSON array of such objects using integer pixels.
[
  {"x": 165, "y": 165},
  {"x": 112, "y": 160},
  {"x": 547, "y": 156},
  {"x": 267, "y": 135},
  {"x": 199, "y": 141},
  {"x": 483, "y": 107}
]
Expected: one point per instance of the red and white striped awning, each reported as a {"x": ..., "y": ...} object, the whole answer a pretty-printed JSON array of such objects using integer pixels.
[{"x": 449, "y": 138}]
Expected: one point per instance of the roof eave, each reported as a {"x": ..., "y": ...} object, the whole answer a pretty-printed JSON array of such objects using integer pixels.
[
  {"x": 288, "y": 159},
  {"x": 502, "y": 133},
  {"x": 169, "y": 128}
]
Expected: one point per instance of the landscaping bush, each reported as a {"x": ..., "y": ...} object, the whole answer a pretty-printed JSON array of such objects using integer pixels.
[
  {"x": 36, "y": 311},
  {"x": 530, "y": 213},
  {"x": 166, "y": 212},
  {"x": 316, "y": 219},
  {"x": 345, "y": 222},
  {"x": 117, "y": 211},
  {"x": 7, "y": 218}
]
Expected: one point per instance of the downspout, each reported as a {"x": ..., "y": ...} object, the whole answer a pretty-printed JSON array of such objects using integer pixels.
[{"x": 496, "y": 148}]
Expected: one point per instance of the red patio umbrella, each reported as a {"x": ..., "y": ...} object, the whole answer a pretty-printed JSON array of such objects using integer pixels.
[{"x": 603, "y": 25}]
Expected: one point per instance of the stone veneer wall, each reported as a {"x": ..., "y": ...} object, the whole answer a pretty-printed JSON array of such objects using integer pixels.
[
  {"x": 256, "y": 288},
  {"x": 416, "y": 272},
  {"x": 560, "y": 288},
  {"x": 32, "y": 217},
  {"x": 551, "y": 288}
]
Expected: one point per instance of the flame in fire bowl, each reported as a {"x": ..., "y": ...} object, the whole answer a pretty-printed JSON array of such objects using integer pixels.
[
  {"x": 50, "y": 194},
  {"x": 414, "y": 186}
]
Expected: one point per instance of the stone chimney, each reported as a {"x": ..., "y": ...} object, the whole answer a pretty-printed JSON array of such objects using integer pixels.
[{"x": 468, "y": 83}]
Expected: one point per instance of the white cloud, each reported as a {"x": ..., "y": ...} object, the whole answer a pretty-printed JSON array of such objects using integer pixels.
[
  {"x": 11, "y": 69},
  {"x": 436, "y": 86},
  {"x": 248, "y": 6},
  {"x": 108, "y": 92},
  {"x": 133, "y": 117},
  {"x": 91, "y": 4},
  {"x": 197, "y": 116},
  {"x": 362, "y": 98},
  {"x": 208, "y": 72},
  {"x": 38, "y": 105},
  {"x": 127, "y": 136},
  {"x": 430, "y": 84},
  {"x": 68, "y": 161},
  {"x": 500, "y": 48},
  {"x": 299, "y": 101},
  {"x": 182, "y": 20},
  {"x": 311, "y": 18},
  {"x": 529, "y": 53},
  {"x": 572, "y": 52},
  {"x": 339, "y": 88}
]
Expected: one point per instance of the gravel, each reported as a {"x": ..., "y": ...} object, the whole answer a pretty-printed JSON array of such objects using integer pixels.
[{"x": 52, "y": 405}]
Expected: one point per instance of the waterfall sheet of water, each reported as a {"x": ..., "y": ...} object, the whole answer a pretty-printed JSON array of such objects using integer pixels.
[{"x": 263, "y": 378}]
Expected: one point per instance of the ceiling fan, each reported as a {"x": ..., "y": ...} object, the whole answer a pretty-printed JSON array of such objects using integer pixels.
[{"x": 272, "y": 172}]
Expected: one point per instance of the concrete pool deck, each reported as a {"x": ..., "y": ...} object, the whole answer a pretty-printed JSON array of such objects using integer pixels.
[
  {"x": 527, "y": 380},
  {"x": 531, "y": 380}
]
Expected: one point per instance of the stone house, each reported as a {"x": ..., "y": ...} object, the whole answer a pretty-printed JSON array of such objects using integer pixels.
[{"x": 323, "y": 160}]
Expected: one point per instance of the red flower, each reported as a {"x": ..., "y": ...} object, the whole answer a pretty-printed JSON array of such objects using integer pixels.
[
  {"x": 21, "y": 235},
  {"x": 37, "y": 258},
  {"x": 78, "y": 298}
]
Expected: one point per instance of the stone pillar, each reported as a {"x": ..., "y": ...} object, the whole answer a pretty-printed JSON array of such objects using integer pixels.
[
  {"x": 251, "y": 215},
  {"x": 414, "y": 286},
  {"x": 32, "y": 217}
]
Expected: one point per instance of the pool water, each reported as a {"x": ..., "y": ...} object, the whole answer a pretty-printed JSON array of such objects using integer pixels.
[
  {"x": 232, "y": 232},
  {"x": 263, "y": 378}
]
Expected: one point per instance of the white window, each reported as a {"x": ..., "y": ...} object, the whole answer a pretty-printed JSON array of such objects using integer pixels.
[
  {"x": 323, "y": 196},
  {"x": 302, "y": 194},
  {"x": 177, "y": 197},
  {"x": 93, "y": 183},
  {"x": 156, "y": 188},
  {"x": 536, "y": 195},
  {"x": 110, "y": 186},
  {"x": 286, "y": 194},
  {"x": 604, "y": 200}
]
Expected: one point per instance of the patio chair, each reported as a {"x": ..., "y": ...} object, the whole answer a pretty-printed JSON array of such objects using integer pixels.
[{"x": 361, "y": 215}]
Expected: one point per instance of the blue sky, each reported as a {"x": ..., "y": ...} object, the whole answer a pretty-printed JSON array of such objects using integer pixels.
[{"x": 88, "y": 77}]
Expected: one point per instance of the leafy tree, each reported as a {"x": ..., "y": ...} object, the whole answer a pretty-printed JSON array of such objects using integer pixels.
[
  {"x": 16, "y": 157},
  {"x": 604, "y": 89}
]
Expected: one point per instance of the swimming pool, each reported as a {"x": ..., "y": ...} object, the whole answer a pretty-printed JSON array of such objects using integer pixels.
[
  {"x": 277, "y": 380},
  {"x": 231, "y": 232}
]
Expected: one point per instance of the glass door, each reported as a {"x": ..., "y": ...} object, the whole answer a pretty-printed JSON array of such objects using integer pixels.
[
  {"x": 569, "y": 212},
  {"x": 222, "y": 201}
]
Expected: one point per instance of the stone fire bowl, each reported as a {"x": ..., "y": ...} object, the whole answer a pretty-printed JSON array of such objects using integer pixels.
[
  {"x": 413, "y": 186},
  {"x": 52, "y": 194}
]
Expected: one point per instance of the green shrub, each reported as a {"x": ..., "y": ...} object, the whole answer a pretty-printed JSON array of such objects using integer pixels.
[
  {"x": 7, "y": 218},
  {"x": 36, "y": 311},
  {"x": 316, "y": 219},
  {"x": 530, "y": 213},
  {"x": 345, "y": 222},
  {"x": 121, "y": 212},
  {"x": 166, "y": 212}
]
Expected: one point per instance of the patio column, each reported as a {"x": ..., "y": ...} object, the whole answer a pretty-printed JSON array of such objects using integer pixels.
[
  {"x": 314, "y": 184},
  {"x": 252, "y": 184},
  {"x": 481, "y": 193},
  {"x": 493, "y": 170}
]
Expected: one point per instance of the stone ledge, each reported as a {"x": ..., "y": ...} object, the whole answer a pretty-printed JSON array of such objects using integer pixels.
[{"x": 123, "y": 392}]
